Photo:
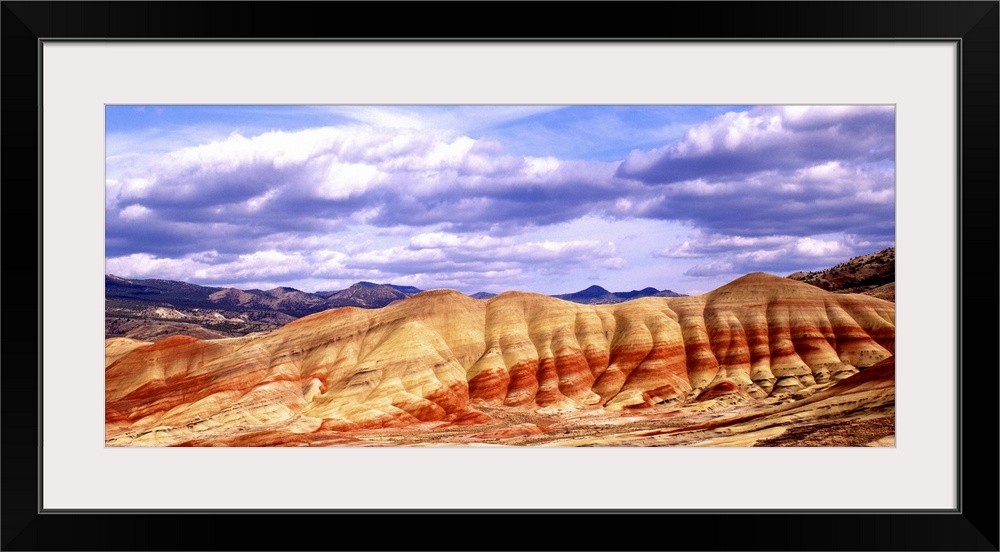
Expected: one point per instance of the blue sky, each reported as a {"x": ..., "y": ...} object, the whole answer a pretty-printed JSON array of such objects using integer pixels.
[{"x": 545, "y": 198}]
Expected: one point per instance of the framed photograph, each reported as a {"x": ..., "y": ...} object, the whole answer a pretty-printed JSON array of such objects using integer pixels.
[{"x": 92, "y": 89}]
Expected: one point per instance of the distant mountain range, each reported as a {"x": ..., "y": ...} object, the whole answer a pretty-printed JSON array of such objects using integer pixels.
[
  {"x": 285, "y": 300},
  {"x": 182, "y": 295},
  {"x": 297, "y": 303},
  {"x": 596, "y": 295},
  {"x": 155, "y": 308}
]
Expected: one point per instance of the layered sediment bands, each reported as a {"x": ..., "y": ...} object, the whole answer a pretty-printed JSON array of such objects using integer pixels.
[
  {"x": 770, "y": 338},
  {"x": 442, "y": 358},
  {"x": 540, "y": 351},
  {"x": 647, "y": 359},
  {"x": 116, "y": 347},
  {"x": 856, "y": 411}
]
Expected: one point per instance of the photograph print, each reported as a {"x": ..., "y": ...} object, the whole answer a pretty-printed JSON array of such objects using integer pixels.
[{"x": 500, "y": 275}]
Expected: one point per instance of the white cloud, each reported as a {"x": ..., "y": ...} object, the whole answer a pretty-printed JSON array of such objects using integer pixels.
[
  {"x": 143, "y": 265},
  {"x": 769, "y": 138},
  {"x": 397, "y": 255},
  {"x": 701, "y": 244},
  {"x": 135, "y": 188},
  {"x": 825, "y": 172},
  {"x": 445, "y": 155},
  {"x": 819, "y": 116},
  {"x": 540, "y": 166},
  {"x": 440, "y": 240},
  {"x": 134, "y": 212},
  {"x": 410, "y": 194},
  {"x": 712, "y": 269},
  {"x": 343, "y": 180},
  {"x": 257, "y": 203},
  {"x": 820, "y": 248},
  {"x": 204, "y": 266},
  {"x": 734, "y": 255}
]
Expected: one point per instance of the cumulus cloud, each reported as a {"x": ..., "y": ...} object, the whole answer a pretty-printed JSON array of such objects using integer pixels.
[
  {"x": 134, "y": 212},
  {"x": 799, "y": 170},
  {"x": 408, "y": 196},
  {"x": 767, "y": 139},
  {"x": 206, "y": 266},
  {"x": 430, "y": 259},
  {"x": 314, "y": 179},
  {"x": 441, "y": 252},
  {"x": 734, "y": 255},
  {"x": 772, "y": 170},
  {"x": 701, "y": 245}
]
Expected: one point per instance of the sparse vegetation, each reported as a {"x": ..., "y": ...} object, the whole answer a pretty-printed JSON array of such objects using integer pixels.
[{"x": 858, "y": 275}]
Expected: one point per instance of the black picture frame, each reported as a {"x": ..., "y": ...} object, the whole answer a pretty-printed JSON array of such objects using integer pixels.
[{"x": 973, "y": 525}]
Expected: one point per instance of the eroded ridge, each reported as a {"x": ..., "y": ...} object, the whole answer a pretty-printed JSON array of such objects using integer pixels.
[{"x": 444, "y": 358}]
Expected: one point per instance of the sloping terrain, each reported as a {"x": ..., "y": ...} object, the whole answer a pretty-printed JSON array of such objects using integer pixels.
[
  {"x": 368, "y": 295},
  {"x": 516, "y": 363},
  {"x": 887, "y": 292},
  {"x": 857, "y": 275}
]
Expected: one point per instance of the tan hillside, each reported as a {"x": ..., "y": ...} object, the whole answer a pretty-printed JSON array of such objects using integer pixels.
[
  {"x": 887, "y": 292},
  {"x": 511, "y": 367}
]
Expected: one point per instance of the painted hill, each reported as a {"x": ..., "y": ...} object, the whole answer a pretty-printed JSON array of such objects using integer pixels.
[{"x": 446, "y": 359}]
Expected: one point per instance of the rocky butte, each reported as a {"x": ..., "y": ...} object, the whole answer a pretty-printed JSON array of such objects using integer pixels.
[{"x": 762, "y": 360}]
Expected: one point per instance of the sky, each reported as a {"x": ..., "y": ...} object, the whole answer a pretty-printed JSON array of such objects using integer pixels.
[{"x": 543, "y": 198}]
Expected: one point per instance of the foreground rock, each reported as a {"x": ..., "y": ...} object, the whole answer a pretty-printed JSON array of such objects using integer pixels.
[{"x": 513, "y": 369}]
